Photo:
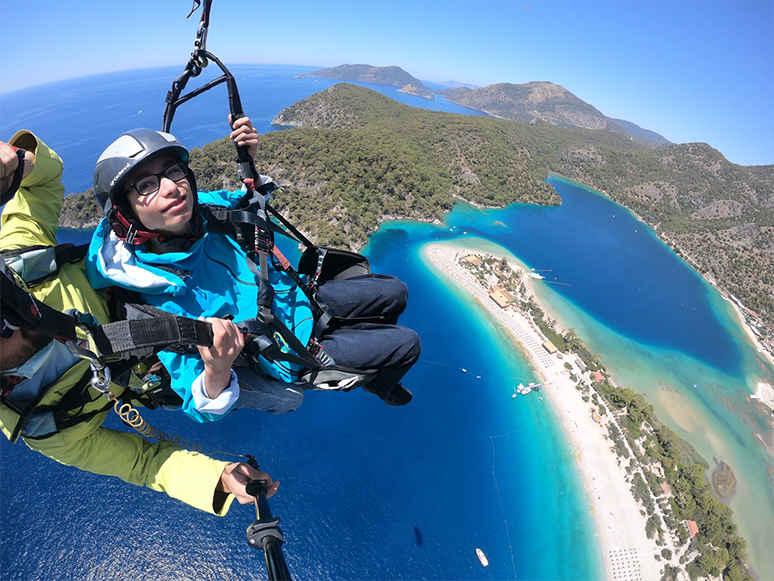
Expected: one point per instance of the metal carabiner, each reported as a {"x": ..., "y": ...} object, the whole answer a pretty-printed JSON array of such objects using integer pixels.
[
  {"x": 100, "y": 379},
  {"x": 100, "y": 372},
  {"x": 198, "y": 56}
]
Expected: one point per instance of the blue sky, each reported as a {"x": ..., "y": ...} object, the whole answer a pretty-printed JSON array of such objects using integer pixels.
[{"x": 689, "y": 70}]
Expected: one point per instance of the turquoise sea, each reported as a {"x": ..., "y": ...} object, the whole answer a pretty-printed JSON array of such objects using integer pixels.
[{"x": 371, "y": 492}]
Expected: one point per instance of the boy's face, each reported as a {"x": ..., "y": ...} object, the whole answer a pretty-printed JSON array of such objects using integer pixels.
[{"x": 168, "y": 210}]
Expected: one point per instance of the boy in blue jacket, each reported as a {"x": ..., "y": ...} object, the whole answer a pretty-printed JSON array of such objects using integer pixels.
[{"x": 154, "y": 241}]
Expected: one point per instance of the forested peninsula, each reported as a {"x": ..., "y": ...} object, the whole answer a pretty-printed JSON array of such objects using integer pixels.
[{"x": 355, "y": 158}]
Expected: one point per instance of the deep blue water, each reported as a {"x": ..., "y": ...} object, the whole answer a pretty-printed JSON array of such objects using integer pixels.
[{"x": 369, "y": 492}]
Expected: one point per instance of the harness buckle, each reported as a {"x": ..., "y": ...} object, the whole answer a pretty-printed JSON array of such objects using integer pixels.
[
  {"x": 319, "y": 353},
  {"x": 263, "y": 241}
]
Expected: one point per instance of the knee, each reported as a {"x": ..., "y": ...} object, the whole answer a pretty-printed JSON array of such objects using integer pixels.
[
  {"x": 411, "y": 346},
  {"x": 395, "y": 292}
]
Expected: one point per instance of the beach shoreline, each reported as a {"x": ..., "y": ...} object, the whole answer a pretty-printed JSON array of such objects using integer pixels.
[{"x": 620, "y": 526}]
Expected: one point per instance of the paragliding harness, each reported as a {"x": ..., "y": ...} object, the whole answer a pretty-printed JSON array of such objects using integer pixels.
[
  {"x": 114, "y": 350},
  {"x": 251, "y": 227}
]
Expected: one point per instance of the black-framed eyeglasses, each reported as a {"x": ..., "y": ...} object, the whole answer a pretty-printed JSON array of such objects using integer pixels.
[{"x": 150, "y": 184}]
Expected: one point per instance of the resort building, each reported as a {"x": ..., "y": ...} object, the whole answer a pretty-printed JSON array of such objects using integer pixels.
[
  {"x": 472, "y": 259},
  {"x": 597, "y": 376},
  {"x": 667, "y": 492},
  {"x": 499, "y": 294},
  {"x": 550, "y": 347},
  {"x": 693, "y": 528}
]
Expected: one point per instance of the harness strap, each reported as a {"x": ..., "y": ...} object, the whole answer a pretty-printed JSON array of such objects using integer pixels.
[
  {"x": 77, "y": 397},
  {"x": 148, "y": 327},
  {"x": 23, "y": 310},
  {"x": 32, "y": 406},
  {"x": 263, "y": 345},
  {"x": 40, "y": 263}
]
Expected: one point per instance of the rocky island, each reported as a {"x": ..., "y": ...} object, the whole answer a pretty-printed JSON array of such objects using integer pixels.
[
  {"x": 369, "y": 74},
  {"x": 412, "y": 90}
]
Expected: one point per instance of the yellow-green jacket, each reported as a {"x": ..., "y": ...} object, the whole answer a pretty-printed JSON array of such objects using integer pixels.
[{"x": 32, "y": 218}]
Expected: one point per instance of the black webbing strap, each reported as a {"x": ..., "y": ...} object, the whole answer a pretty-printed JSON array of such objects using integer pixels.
[
  {"x": 300, "y": 237},
  {"x": 223, "y": 220},
  {"x": 22, "y": 309},
  {"x": 268, "y": 347},
  {"x": 149, "y": 327}
]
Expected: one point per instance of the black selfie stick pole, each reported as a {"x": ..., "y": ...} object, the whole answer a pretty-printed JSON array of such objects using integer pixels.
[{"x": 264, "y": 533}]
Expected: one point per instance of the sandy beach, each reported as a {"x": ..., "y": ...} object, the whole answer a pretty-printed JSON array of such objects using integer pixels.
[{"x": 628, "y": 553}]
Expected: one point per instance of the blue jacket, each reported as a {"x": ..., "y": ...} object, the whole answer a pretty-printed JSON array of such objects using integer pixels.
[{"x": 211, "y": 279}]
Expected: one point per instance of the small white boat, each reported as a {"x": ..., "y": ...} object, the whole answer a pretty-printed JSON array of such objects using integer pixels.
[{"x": 482, "y": 557}]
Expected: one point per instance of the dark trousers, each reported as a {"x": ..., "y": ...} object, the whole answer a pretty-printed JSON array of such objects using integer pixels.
[{"x": 384, "y": 345}]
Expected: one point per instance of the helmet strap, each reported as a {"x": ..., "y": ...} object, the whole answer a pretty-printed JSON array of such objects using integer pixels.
[
  {"x": 128, "y": 229},
  {"x": 131, "y": 230}
]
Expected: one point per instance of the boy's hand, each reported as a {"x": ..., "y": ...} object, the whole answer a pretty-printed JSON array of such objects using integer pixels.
[
  {"x": 244, "y": 134},
  {"x": 227, "y": 344}
]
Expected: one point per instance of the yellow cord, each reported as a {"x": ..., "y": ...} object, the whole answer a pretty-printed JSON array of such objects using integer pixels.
[{"x": 131, "y": 416}]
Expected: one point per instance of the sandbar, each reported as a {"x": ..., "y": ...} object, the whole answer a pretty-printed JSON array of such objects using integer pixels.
[{"x": 628, "y": 553}]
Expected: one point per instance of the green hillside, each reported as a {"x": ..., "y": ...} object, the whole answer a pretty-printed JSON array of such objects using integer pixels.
[{"x": 359, "y": 157}]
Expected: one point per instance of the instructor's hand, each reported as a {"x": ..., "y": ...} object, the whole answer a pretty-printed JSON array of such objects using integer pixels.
[
  {"x": 9, "y": 161},
  {"x": 237, "y": 476}
]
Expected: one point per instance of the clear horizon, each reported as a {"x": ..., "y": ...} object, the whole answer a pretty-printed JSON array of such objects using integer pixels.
[{"x": 690, "y": 71}]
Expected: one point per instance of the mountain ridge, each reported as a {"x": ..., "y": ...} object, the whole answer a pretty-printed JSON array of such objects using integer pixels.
[
  {"x": 548, "y": 102},
  {"x": 527, "y": 102}
]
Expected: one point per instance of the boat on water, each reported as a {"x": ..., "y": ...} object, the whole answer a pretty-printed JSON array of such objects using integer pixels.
[{"x": 482, "y": 557}]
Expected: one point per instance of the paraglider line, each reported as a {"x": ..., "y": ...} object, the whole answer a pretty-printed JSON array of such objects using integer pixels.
[{"x": 502, "y": 508}]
